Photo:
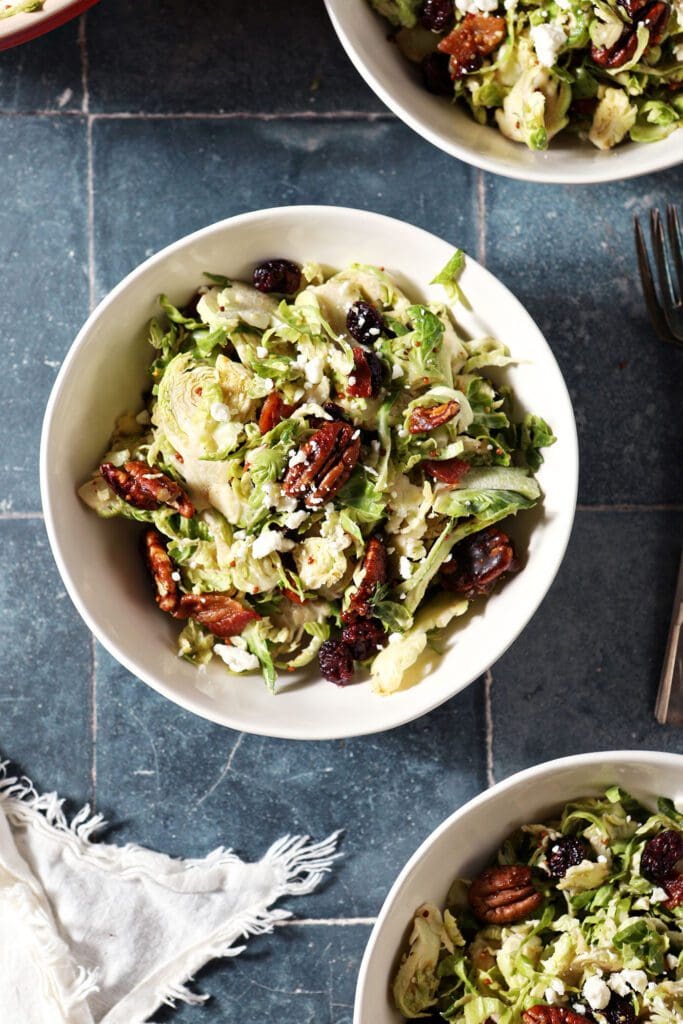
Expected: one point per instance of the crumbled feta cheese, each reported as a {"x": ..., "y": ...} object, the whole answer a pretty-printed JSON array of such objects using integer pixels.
[
  {"x": 268, "y": 542},
  {"x": 579, "y": 1008},
  {"x": 481, "y": 6},
  {"x": 548, "y": 40},
  {"x": 261, "y": 351},
  {"x": 235, "y": 658},
  {"x": 396, "y": 371},
  {"x": 602, "y": 859},
  {"x": 394, "y": 638},
  {"x": 297, "y": 458},
  {"x": 268, "y": 383},
  {"x": 658, "y": 895},
  {"x": 294, "y": 519},
  {"x": 404, "y": 567},
  {"x": 175, "y": 576},
  {"x": 313, "y": 368},
  {"x": 220, "y": 412},
  {"x": 636, "y": 980},
  {"x": 557, "y": 985},
  {"x": 510, "y": 5},
  {"x": 596, "y": 993},
  {"x": 352, "y": 381}
]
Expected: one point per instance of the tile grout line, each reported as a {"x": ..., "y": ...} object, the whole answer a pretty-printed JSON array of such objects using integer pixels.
[
  {"x": 488, "y": 706},
  {"x": 481, "y": 218},
  {"x": 328, "y": 922},
  {"x": 233, "y": 115},
  {"x": 90, "y": 216}
]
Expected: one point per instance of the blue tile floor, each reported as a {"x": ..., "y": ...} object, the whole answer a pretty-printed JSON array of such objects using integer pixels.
[{"x": 107, "y": 153}]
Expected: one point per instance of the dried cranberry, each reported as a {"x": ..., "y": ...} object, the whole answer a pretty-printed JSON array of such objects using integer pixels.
[
  {"x": 377, "y": 369},
  {"x": 436, "y": 75},
  {"x": 619, "y": 1010},
  {"x": 661, "y": 855},
  {"x": 335, "y": 412},
  {"x": 364, "y": 323},
  {"x": 565, "y": 853},
  {"x": 438, "y": 15},
  {"x": 478, "y": 561},
  {"x": 364, "y": 637},
  {"x": 336, "y": 662},
  {"x": 281, "y": 276}
]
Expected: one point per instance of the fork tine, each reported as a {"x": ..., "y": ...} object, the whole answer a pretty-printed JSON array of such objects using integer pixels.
[
  {"x": 653, "y": 307},
  {"x": 676, "y": 245},
  {"x": 666, "y": 289}
]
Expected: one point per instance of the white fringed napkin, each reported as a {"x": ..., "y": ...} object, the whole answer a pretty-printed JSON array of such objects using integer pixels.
[{"x": 92, "y": 933}]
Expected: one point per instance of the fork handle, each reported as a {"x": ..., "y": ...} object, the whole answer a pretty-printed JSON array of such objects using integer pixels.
[{"x": 669, "y": 707}]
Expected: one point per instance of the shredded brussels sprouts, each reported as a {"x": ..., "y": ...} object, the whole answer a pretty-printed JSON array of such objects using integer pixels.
[
  {"x": 245, "y": 386},
  {"x": 603, "y": 941}
]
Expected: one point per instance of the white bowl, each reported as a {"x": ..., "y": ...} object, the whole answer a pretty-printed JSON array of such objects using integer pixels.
[
  {"x": 466, "y": 842},
  {"x": 20, "y": 28},
  {"x": 104, "y": 374},
  {"x": 364, "y": 37}
]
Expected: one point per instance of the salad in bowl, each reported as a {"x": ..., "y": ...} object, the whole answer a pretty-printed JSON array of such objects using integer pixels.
[
  {"x": 322, "y": 468},
  {"x": 578, "y": 921},
  {"x": 603, "y": 70}
]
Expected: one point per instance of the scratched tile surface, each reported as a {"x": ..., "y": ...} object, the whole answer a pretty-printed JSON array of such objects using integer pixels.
[{"x": 99, "y": 170}]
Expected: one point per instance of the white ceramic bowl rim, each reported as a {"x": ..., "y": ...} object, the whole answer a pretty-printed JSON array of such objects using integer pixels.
[
  {"x": 327, "y": 726},
  {"x": 631, "y": 160},
  {"x": 533, "y": 774}
]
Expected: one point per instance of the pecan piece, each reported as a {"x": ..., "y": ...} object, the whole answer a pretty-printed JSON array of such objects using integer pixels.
[
  {"x": 375, "y": 573},
  {"x": 448, "y": 471},
  {"x": 273, "y": 411},
  {"x": 360, "y": 381},
  {"x": 145, "y": 487},
  {"x": 222, "y": 615},
  {"x": 425, "y": 418},
  {"x": 503, "y": 895},
  {"x": 161, "y": 567},
  {"x": 656, "y": 20},
  {"x": 475, "y": 37},
  {"x": 478, "y": 561},
  {"x": 552, "y": 1015},
  {"x": 329, "y": 457},
  {"x": 619, "y": 54}
]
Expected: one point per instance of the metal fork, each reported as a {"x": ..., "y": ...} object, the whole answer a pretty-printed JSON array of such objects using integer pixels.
[{"x": 664, "y": 303}]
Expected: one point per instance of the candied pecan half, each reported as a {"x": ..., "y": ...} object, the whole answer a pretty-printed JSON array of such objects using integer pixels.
[
  {"x": 161, "y": 567},
  {"x": 375, "y": 573},
  {"x": 273, "y": 411},
  {"x": 478, "y": 561},
  {"x": 364, "y": 637},
  {"x": 146, "y": 488},
  {"x": 329, "y": 457},
  {"x": 425, "y": 418},
  {"x": 336, "y": 662},
  {"x": 503, "y": 895},
  {"x": 656, "y": 19},
  {"x": 222, "y": 615},
  {"x": 552, "y": 1015},
  {"x": 615, "y": 56},
  {"x": 475, "y": 37},
  {"x": 360, "y": 381},
  {"x": 448, "y": 471}
]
